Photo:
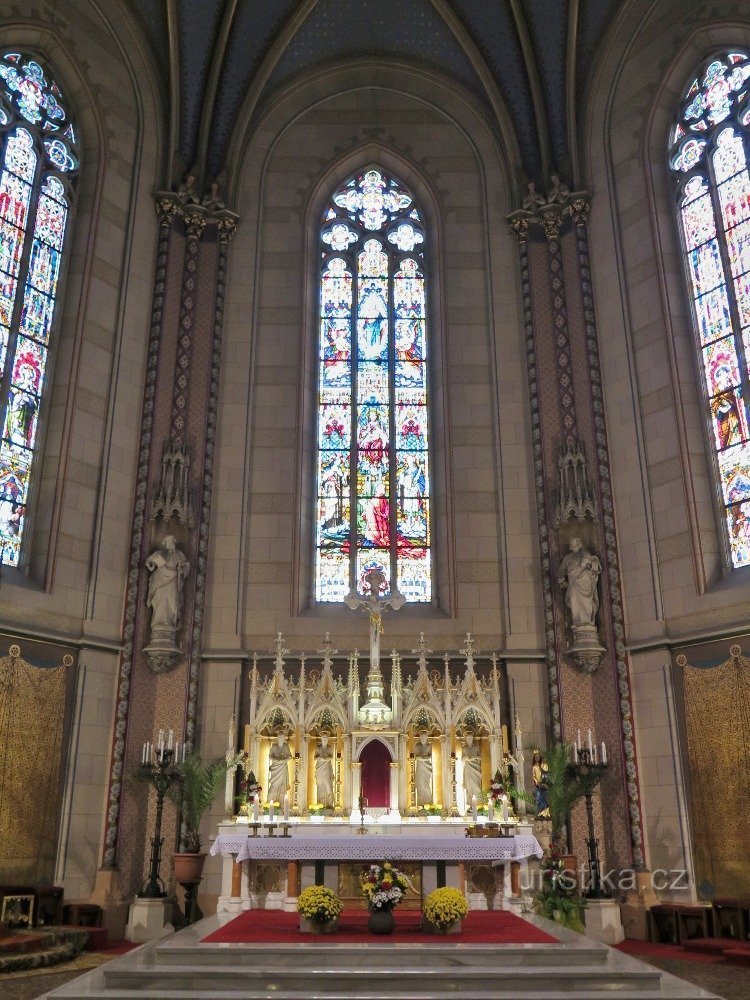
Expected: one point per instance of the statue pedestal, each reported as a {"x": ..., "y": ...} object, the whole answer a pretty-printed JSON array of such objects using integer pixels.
[
  {"x": 603, "y": 921},
  {"x": 148, "y": 920}
]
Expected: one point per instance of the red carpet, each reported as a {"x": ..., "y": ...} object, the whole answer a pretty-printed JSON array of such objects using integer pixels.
[
  {"x": 479, "y": 927},
  {"x": 649, "y": 949}
]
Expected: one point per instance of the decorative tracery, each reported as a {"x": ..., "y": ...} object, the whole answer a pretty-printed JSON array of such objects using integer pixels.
[
  {"x": 710, "y": 145},
  {"x": 37, "y": 163},
  {"x": 372, "y": 474}
]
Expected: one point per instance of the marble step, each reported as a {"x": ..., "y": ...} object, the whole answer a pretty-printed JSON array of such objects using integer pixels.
[
  {"x": 332, "y": 981},
  {"x": 445, "y": 956},
  {"x": 188, "y": 993}
]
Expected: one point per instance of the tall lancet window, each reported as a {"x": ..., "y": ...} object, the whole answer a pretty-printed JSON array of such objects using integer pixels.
[
  {"x": 373, "y": 507},
  {"x": 37, "y": 163},
  {"x": 709, "y": 150}
]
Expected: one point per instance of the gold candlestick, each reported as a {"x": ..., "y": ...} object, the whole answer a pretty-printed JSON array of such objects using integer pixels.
[{"x": 338, "y": 810}]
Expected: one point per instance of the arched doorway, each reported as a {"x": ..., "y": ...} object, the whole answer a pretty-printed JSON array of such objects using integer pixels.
[{"x": 376, "y": 774}]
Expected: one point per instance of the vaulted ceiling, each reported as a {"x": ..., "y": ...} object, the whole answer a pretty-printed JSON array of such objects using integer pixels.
[{"x": 534, "y": 55}]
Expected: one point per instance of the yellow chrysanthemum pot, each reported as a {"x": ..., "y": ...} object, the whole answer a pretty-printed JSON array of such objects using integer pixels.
[{"x": 443, "y": 911}]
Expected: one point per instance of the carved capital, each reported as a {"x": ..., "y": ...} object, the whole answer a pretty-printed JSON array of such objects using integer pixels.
[
  {"x": 519, "y": 223},
  {"x": 195, "y": 221},
  {"x": 226, "y": 226},
  {"x": 551, "y": 217},
  {"x": 168, "y": 206},
  {"x": 579, "y": 207}
]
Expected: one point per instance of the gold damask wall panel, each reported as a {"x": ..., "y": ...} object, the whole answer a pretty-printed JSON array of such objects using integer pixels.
[
  {"x": 33, "y": 701},
  {"x": 717, "y": 720}
]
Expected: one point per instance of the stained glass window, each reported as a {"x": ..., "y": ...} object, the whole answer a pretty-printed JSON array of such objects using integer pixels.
[
  {"x": 373, "y": 504},
  {"x": 38, "y": 163},
  {"x": 709, "y": 156}
]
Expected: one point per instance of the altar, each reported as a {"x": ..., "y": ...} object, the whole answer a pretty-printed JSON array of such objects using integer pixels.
[{"x": 270, "y": 870}]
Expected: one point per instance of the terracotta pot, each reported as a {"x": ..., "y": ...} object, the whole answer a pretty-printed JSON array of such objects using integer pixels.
[
  {"x": 188, "y": 867},
  {"x": 381, "y": 922},
  {"x": 570, "y": 866},
  {"x": 308, "y": 926}
]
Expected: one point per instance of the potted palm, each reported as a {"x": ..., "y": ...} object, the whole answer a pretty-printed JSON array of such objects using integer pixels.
[
  {"x": 198, "y": 784},
  {"x": 563, "y": 791}
]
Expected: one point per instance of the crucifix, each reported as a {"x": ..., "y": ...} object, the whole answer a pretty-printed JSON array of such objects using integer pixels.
[{"x": 376, "y": 581}]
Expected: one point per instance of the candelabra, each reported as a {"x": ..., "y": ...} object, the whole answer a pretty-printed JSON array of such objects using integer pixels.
[
  {"x": 454, "y": 802},
  {"x": 413, "y": 810},
  {"x": 162, "y": 774},
  {"x": 589, "y": 773}
]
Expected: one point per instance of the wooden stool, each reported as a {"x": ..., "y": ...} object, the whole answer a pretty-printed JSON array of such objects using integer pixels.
[
  {"x": 663, "y": 926},
  {"x": 693, "y": 922},
  {"x": 731, "y": 918}
]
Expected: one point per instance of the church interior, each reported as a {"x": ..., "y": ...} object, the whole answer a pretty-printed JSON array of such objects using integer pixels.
[{"x": 375, "y": 382}]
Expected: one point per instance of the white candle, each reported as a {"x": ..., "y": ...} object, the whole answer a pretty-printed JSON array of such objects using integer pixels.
[
  {"x": 505, "y": 809},
  {"x": 148, "y": 751},
  {"x": 286, "y": 807},
  {"x": 596, "y": 758},
  {"x": 170, "y": 744},
  {"x": 591, "y": 749},
  {"x": 490, "y": 810},
  {"x": 270, "y": 812},
  {"x": 579, "y": 739},
  {"x": 177, "y": 750},
  {"x": 604, "y": 752},
  {"x": 143, "y": 754},
  {"x": 256, "y": 809},
  {"x": 184, "y": 748},
  {"x": 474, "y": 808}
]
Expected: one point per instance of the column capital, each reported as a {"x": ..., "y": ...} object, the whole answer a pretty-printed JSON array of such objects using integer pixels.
[
  {"x": 519, "y": 222},
  {"x": 579, "y": 206},
  {"x": 551, "y": 218}
]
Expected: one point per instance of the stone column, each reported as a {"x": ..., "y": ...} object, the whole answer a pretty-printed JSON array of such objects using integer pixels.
[
  {"x": 587, "y": 671},
  {"x": 175, "y": 472}
]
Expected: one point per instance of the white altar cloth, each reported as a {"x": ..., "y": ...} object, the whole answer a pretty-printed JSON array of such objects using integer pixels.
[{"x": 392, "y": 847}]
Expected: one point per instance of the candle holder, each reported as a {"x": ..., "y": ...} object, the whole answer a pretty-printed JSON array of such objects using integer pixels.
[
  {"x": 161, "y": 773},
  {"x": 413, "y": 810},
  {"x": 338, "y": 810},
  {"x": 255, "y": 827},
  {"x": 271, "y": 827},
  {"x": 362, "y": 802},
  {"x": 589, "y": 774},
  {"x": 453, "y": 813},
  {"x": 285, "y": 827}
]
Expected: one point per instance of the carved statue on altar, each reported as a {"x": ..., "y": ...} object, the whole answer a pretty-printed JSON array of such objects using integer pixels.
[
  {"x": 539, "y": 771},
  {"x": 324, "y": 792},
  {"x": 472, "y": 761},
  {"x": 279, "y": 756},
  {"x": 423, "y": 769}
]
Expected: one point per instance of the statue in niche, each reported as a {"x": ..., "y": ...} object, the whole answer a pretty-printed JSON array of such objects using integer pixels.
[
  {"x": 324, "y": 792},
  {"x": 168, "y": 568},
  {"x": 472, "y": 761},
  {"x": 578, "y": 574},
  {"x": 423, "y": 768},
  {"x": 279, "y": 756}
]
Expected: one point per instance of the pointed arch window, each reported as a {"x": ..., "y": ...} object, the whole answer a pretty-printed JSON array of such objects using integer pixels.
[
  {"x": 38, "y": 164},
  {"x": 373, "y": 496},
  {"x": 709, "y": 157}
]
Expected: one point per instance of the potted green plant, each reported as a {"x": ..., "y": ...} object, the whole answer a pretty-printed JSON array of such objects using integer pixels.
[
  {"x": 563, "y": 791},
  {"x": 198, "y": 783}
]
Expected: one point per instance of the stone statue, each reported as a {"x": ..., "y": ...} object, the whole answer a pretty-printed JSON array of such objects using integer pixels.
[
  {"x": 533, "y": 199},
  {"x": 324, "y": 793},
  {"x": 472, "y": 761},
  {"x": 423, "y": 769},
  {"x": 558, "y": 191},
  {"x": 578, "y": 575},
  {"x": 278, "y": 769},
  {"x": 168, "y": 567}
]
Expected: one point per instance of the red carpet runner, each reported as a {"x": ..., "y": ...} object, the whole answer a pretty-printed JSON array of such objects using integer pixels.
[{"x": 479, "y": 927}]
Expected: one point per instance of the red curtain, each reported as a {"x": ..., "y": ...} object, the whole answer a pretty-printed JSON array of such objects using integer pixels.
[{"x": 376, "y": 774}]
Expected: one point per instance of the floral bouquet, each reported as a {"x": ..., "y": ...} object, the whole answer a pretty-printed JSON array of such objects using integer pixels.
[
  {"x": 383, "y": 886},
  {"x": 318, "y": 904},
  {"x": 497, "y": 788},
  {"x": 432, "y": 808},
  {"x": 316, "y": 808},
  {"x": 266, "y": 807},
  {"x": 444, "y": 907}
]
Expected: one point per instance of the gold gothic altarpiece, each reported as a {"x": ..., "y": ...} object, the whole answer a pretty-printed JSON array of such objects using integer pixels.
[
  {"x": 717, "y": 712},
  {"x": 32, "y": 721}
]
